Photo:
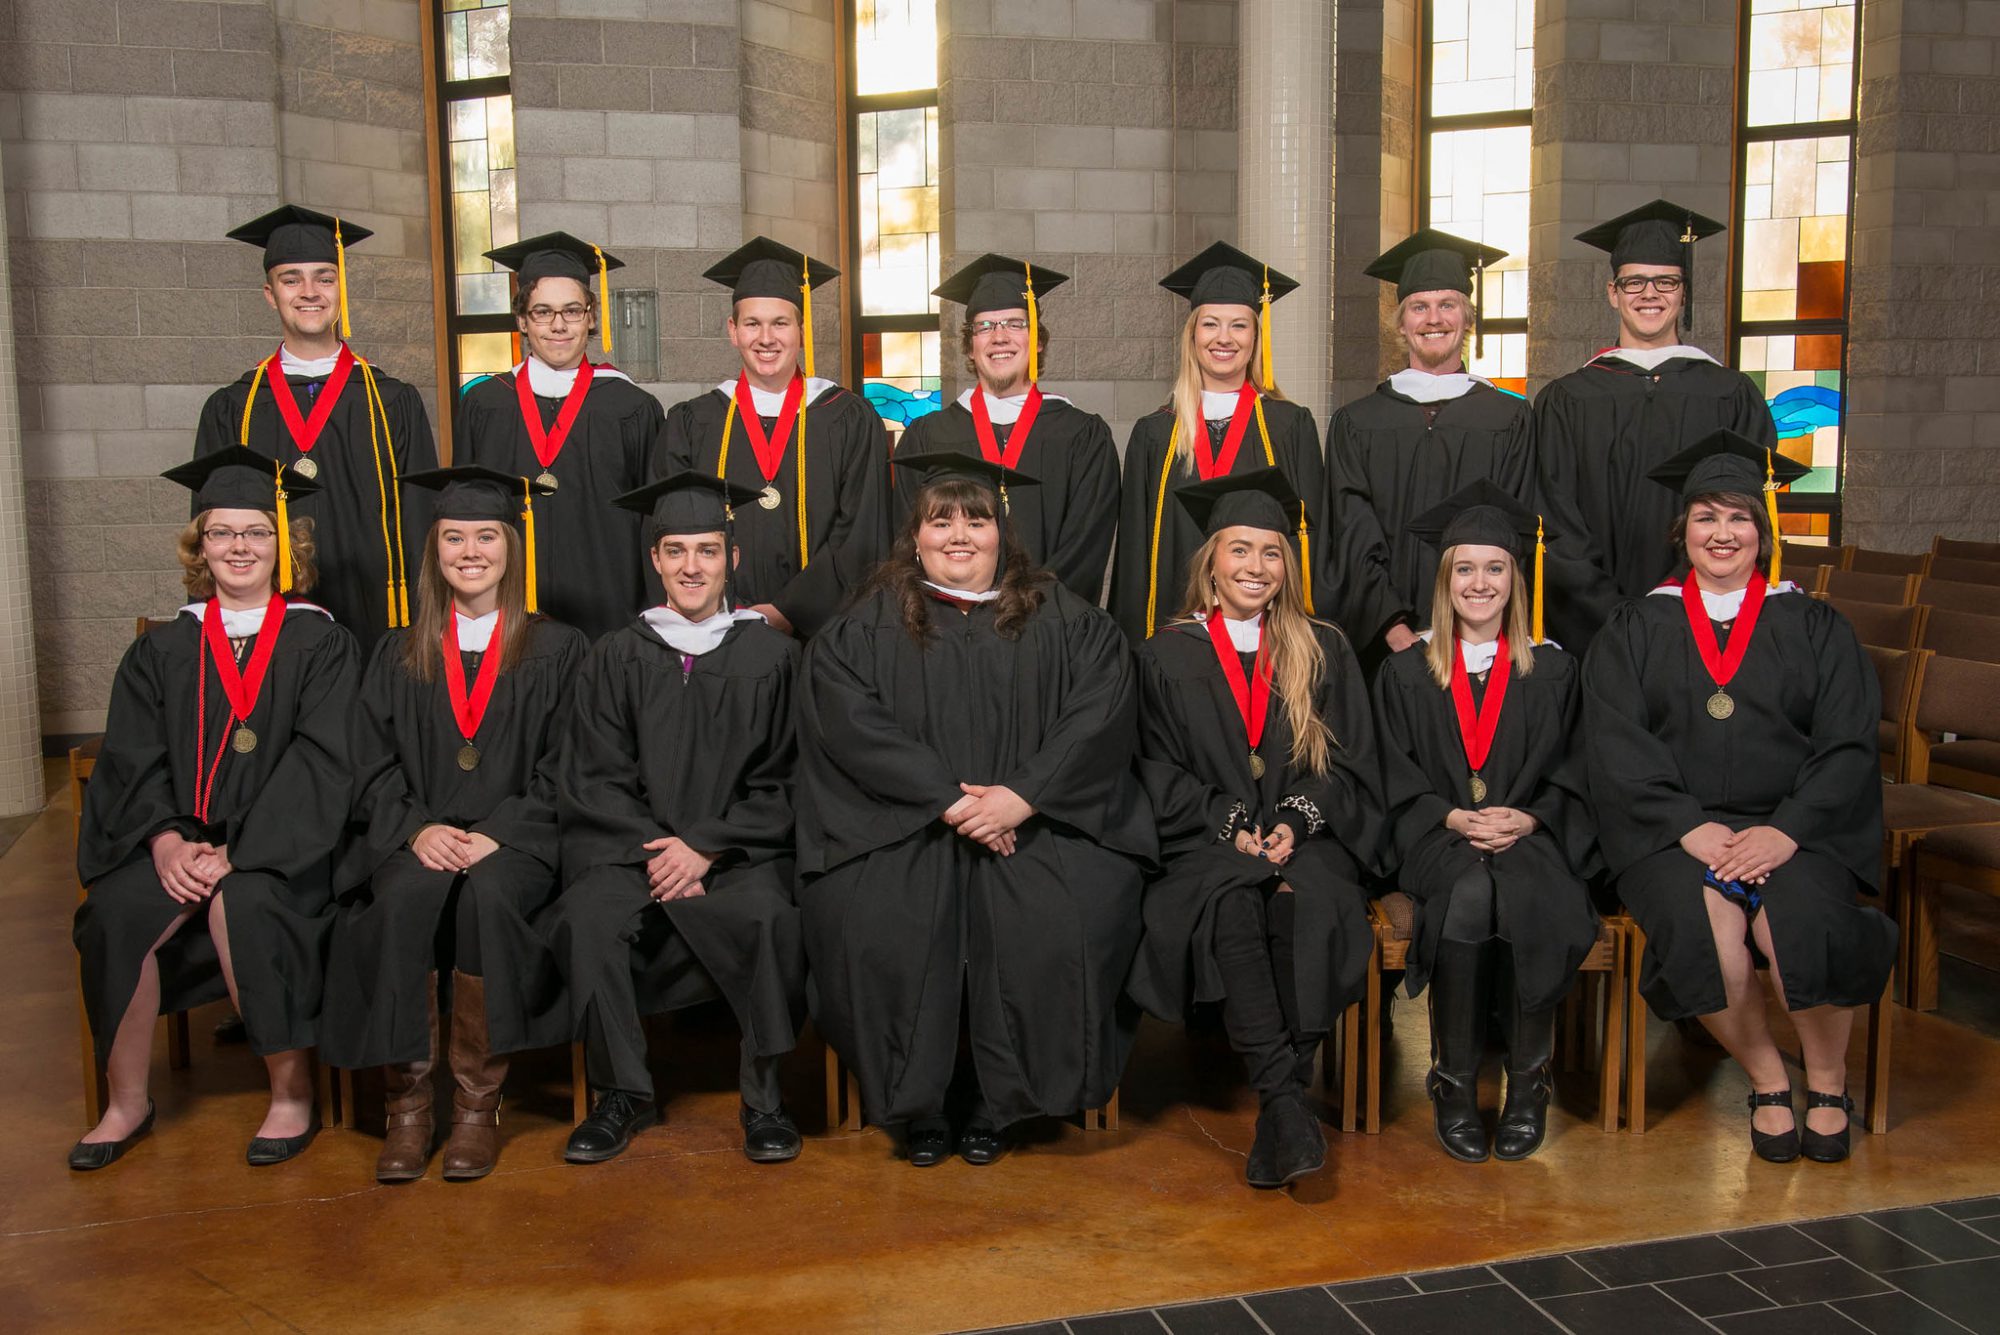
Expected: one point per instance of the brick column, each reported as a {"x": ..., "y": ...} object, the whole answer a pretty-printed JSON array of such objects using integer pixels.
[
  {"x": 1374, "y": 201},
  {"x": 20, "y": 717}
]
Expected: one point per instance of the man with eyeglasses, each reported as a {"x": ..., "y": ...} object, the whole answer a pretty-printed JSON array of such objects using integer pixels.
[
  {"x": 582, "y": 430},
  {"x": 1068, "y": 521},
  {"x": 1601, "y": 429},
  {"x": 334, "y": 419},
  {"x": 812, "y": 451}
]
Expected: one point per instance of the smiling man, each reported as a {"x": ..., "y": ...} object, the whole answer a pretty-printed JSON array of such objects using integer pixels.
[
  {"x": 332, "y": 418},
  {"x": 1602, "y": 428}
]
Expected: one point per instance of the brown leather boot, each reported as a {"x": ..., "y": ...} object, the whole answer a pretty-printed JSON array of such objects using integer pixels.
[
  {"x": 475, "y": 1103},
  {"x": 406, "y": 1090}
]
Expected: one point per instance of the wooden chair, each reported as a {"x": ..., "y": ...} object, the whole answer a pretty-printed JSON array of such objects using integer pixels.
[
  {"x": 1898, "y": 673},
  {"x": 1959, "y": 597},
  {"x": 1970, "y": 551},
  {"x": 1869, "y": 561},
  {"x": 1803, "y": 558},
  {"x": 1954, "y": 772},
  {"x": 1963, "y": 570},
  {"x": 1867, "y": 587},
  {"x": 1393, "y": 919},
  {"x": 1892, "y": 627},
  {"x": 1875, "y": 1095},
  {"x": 1968, "y": 856},
  {"x": 1955, "y": 634}
]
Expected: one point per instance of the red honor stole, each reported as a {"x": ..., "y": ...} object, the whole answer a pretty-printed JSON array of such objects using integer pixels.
[
  {"x": 1211, "y": 465},
  {"x": 1253, "y": 697},
  {"x": 1017, "y": 439},
  {"x": 1476, "y": 731},
  {"x": 305, "y": 430},
  {"x": 770, "y": 450},
  {"x": 1722, "y": 664},
  {"x": 240, "y": 688},
  {"x": 470, "y": 710},
  {"x": 548, "y": 443}
]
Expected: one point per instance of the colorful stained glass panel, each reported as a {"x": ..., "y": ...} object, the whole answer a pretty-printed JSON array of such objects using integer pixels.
[
  {"x": 484, "y": 204},
  {"x": 475, "y": 39},
  {"x": 900, "y": 376},
  {"x": 1801, "y": 61},
  {"x": 483, "y": 355},
  {"x": 1795, "y": 194},
  {"x": 1482, "y": 56},
  {"x": 897, "y": 196},
  {"x": 895, "y": 46}
]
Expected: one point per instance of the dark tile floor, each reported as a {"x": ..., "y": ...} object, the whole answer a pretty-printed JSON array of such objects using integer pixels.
[{"x": 1893, "y": 1272}]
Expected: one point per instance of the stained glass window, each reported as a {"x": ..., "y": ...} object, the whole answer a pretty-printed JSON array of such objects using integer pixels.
[
  {"x": 482, "y": 209},
  {"x": 895, "y": 46},
  {"x": 1796, "y": 146},
  {"x": 1477, "y": 100}
]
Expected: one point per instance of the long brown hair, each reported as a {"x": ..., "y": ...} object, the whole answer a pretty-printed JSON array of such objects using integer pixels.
[
  {"x": 1186, "y": 402},
  {"x": 1442, "y": 651},
  {"x": 1021, "y": 587},
  {"x": 200, "y": 583},
  {"x": 1289, "y": 646},
  {"x": 423, "y": 646},
  {"x": 1733, "y": 500}
]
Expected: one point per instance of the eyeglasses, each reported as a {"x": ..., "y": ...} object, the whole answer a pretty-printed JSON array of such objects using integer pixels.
[
  {"x": 541, "y": 316},
  {"x": 1663, "y": 283},
  {"x": 1016, "y": 325},
  {"x": 226, "y": 537}
]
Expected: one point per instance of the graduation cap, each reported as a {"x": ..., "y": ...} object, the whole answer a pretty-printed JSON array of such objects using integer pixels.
[
  {"x": 1222, "y": 275},
  {"x": 761, "y": 267},
  {"x": 1482, "y": 514},
  {"x": 1434, "y": 261},
  {"x": 1727, "y": 461},
  {"x": 292, "y": 235},
  {"x": 240, "y": 479},
  {"x": 1661, "y": 232},
  {"x": 951, "y": 466},
  {"x": 560, "y": 255},
  {"x": 691, "y": 503},
  {"x": 1000, "y": 283},
  {"x": 470, "y": 492},
  {"x": 1262, "y": 499}
]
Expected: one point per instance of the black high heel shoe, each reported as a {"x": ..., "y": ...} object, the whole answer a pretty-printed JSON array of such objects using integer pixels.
[
  {"x": 89, "y": 1156},
  {"x": 1819, "y": 1146},
  {"x": 1783, "y": 1146}
]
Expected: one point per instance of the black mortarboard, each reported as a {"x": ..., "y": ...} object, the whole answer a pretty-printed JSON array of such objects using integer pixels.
[
  {"x": 1434, "y": 261},
  {"x": 1222, "y": 275},
  {"x": 1661, "y": 232},
  {"x": 292, "y": 235},
  {"x": 1484, "y": 515},
  {"x": 560, "y": 255},
  {"x": 692, "y": 503},
  {"x": 1260, "y": 499},
  {"x": 761, "y": 267},
  {"x": 1724, "y": 461},
  {"x": 241, "y": 479},
  {"x": 469, "y": 492}
]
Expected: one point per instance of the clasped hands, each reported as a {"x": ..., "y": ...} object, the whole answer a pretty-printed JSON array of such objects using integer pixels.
[
  {"x": 675, "y": 870},
  {"x": 1746, "y": 856},
  {"x": 441, "y": 847},
  {"x": 988, "y": 814},
  {"x": 189, "y": 869},
  {"x": 1275, "y": 848},
  {"x": 1491, "y": 829}
]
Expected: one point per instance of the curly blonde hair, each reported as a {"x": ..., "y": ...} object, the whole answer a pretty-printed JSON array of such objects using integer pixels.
[{"x": 200, "y": 584}]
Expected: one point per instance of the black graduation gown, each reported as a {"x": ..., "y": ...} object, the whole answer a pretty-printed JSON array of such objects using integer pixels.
[
  {"x": 707, "y": 756},
  {"x": 1194, "y": 758},
  {"x": 1799, "y": 753},
  {"x": 406, "y": 775},
  {"x": 594, "y": 571},
  {"x": 847, "y": 500},
  {"x": 1389, "y": 459},
  {"x": 1065, "y": 523},
  {"x": 279, "y": 808},
  {"x": 1539, "y": 895},
  {"x": 349, "y": 534},
  {"x": 904, "y": 917},
  {"x": 1294, "y": 446},
  {"x": 1598, "y": 431}
]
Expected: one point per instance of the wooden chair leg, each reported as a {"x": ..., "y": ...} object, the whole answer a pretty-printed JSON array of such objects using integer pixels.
[
  {"x": 852, "y": 1082},
  {"x": 1610, "y": 1063},
  {"x": 1635, "y": 1034},
  {"x": 1371, "y": 1039},
  {"x": 1922, "y": 934},
  {"x": 178, "y": 1047},
  {"x": 843, "y": 1096},
  {"x": 579, "y": 1084},
  {"x": 1571, "y": 1028},
  {"x": 1881, "y": 1021},
  {"x": 324, "y": 1091},
  {"x": 344, "y": 1091},
  {"x": 93, "y": 1075},
  {"x": 1107, "y": 1116},
  {"x": 833, "y": 1089},
  {"x": 1351, "y": 1040}
]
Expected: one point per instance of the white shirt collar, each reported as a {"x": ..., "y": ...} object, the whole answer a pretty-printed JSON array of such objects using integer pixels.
[
  {"x": 1479, "y": 657},
  {"x": 694, "y": 637},
  {"x": 769, "y": 403},
  {"x": 1245, "y": 635},
  {"x": 305, "y": 369},
  {"x": 1423, "y": 387},
  {"x": 1725, "y": 606},
  {"x": 1649, "y": 359},
  {"x": 549, "y": 383},
  {"x": 239, "y": 625},
  {"x": 963, "y": 595},
  {"x": 1218, "y": 405},
  {"x": 1007, "y": 411},
  {"x": 475, "y": 633}
]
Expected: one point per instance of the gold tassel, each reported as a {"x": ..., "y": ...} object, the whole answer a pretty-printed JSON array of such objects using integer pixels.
[
  {"x": 243, "y": 433},
  {"x": 806, "y": 319},
  {"x": 1159, "y": 510},
  {"x": 340, "y": 278},
  {"x": 1264, "y": 331},
  {"x": 603, "y": 301},
  {"x": 1771, "y": 510},
  {"x": 1034, "y": 329},
  {"x": 805, "y": 553},
  {"x": 284, "y": 531},
  {"x": 1479, "y": 313},
  {"x": 1540, "y": 551},
  {"x": 528, "y": 542}
]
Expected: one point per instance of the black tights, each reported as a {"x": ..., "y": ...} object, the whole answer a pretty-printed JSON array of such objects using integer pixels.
[{"x": 1253, "y": 952}]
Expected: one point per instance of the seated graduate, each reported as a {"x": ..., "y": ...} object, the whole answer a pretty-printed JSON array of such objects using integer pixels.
[
  {"x": 1730, "y": 726},
  {"x": 453, "y": 848},
  {"x": 1257, "y": 748},
  {"x": 1487, "y": 817},
  {"x": 970, "y": 835},
  {"x": 675, "y": 795},
  {"x": 210, "y": 820}
]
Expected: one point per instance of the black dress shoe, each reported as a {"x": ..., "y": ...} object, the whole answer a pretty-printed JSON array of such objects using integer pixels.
[
  {"x": 267, "y": 1150},
  {"x": 1819, "y": 1146},
  {"x": 618, "y": 1116},
  {"x": 1778, "y": 1147},
  {"x": 769, "y": 1137},
  {"x": 88, "y": 1157},
  {"x": 1298, "y": 1145},
  {"x": 229, "y": 1029},
  {"x": 982, "y": 1145},
  {"x": 927, "y": 1142}
]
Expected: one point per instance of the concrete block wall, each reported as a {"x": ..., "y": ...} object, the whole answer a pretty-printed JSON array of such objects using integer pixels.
[{"x": 1374, "y": 164}]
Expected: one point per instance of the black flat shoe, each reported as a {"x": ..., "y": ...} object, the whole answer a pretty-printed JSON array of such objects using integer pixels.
[
  {"x": 604, "y": 1134},
  {"x": 927, "y": 1142},
  {"x": 1298, "y": 1145},
  {"x": 769, "y": 1137},
  {"x": 981, "y": 1145},
  {"x": 1782, "y": 1147},
  {"x": 88, "y": 1157},
  {"x": 1818, "y": 1146},
  {"x": 267, "y": 1150}
]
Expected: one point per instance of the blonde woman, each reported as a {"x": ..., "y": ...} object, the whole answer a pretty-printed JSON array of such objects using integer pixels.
[
  {"x": 1227, "y": 418},
  {"x": 214, "y": 809},
  {"x": 1487, "y": 819},
  {"x": 1257, "y": 748}
]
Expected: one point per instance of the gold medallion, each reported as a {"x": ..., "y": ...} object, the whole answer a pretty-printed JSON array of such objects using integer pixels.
[
  {"x": 1478, "y": 789},
  {"x": 468, "y": 757},
  {"x": 1256, "y": 766},
  {"x": 245, "y": 741},
  {"x": 1720, "y": 706},
  {"x": 546, "y": 480},
  {"x": 305, "y": 467},
  {"x": 769, "y": 498}
]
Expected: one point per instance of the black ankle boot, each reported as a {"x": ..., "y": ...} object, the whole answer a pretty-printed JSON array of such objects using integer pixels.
[
  {"x": 1531, "y": 1045},
  {"x": 1458, "y": 989}
]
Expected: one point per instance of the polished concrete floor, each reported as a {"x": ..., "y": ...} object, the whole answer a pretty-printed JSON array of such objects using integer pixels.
[{"x": 683, "y": 1234}]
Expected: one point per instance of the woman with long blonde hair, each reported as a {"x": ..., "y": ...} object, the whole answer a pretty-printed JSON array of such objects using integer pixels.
[
  {"x": 1486, "y": 818},
  {"x": 1227, "y": 417},
  {"x": 1257, "y": 748}
]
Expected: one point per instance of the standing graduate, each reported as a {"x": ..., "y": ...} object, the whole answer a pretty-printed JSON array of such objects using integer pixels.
[
  {"x": 331, "y": 417},
  {"x": 1419, "y": 436},
  {"x": 1065, "y": 524},
  {"x": 1731, "y": 733},
  {"x": 454, "y": 841},
  {"x": 1257, "y": 749},
  {"x": 675, "y": 793},
  {"x": 812, "y": 451},
  {"x": 582, "y": 430},
  {"x": 210, "y": 821},
  {"x": 1488, "y": 817},
  {"x": 1221, "y": 421},
  {"x": 970, "y": 833},
  {"x": 1601, "y": 429}
]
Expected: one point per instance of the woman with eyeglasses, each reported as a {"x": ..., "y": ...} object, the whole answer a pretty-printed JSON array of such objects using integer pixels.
[{"x": 211, "y": 817}]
